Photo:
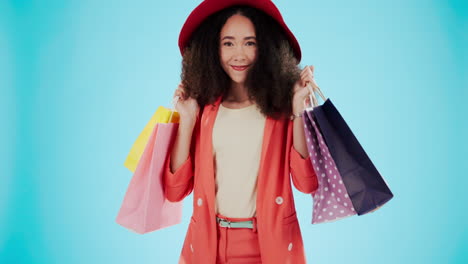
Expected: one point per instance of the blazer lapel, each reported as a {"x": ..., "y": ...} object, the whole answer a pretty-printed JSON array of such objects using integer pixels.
[
  {"x": 206, "y": 142},
  {"x": 262, "y": 171}
]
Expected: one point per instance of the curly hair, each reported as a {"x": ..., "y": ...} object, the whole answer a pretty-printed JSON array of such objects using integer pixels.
[{"x": 271, "y": 78}]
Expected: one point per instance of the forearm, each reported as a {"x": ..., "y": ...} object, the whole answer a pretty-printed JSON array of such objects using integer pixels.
[
  {"x": 303, "y": 175},
  {"x": 181, "y": 148},
  {"x": 299, "y": 140}
]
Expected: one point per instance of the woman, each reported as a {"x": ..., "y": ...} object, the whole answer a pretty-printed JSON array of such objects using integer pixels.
[{"x": 240, "y": 136}]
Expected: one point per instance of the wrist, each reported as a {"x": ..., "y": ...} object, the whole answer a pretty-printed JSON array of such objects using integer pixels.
[
  {"x": 187, "y": 122},
  {"x": 296, "y": 115},
  {"x": 298, "y": 110}
]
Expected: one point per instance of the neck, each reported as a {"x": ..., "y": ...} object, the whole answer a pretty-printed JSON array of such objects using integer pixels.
[{"x": 237, "y": 93}]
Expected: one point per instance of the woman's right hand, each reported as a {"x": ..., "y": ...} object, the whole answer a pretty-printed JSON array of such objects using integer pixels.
[{"x": 188, "y": 108}]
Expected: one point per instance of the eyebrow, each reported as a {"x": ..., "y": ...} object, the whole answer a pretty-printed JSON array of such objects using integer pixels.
[{"x": 230, "y": 37}]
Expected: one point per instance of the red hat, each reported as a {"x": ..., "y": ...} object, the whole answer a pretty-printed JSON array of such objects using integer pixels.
[{"x": 209, "y": 7}]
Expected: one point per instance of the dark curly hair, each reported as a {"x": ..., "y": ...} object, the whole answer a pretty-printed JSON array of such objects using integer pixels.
[{"x": 271, "y": 78}]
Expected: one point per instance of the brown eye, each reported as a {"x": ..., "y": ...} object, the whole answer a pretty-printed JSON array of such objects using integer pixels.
[
  {"x": 251, "y": 43},
  {"x": 226, "y": 43}
]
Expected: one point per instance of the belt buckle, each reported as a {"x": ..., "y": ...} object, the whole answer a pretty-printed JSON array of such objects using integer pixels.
[{"x": 225, "y": 221}]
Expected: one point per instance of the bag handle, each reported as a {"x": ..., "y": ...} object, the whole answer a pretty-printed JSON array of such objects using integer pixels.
[{"x": 313, "y": 87}]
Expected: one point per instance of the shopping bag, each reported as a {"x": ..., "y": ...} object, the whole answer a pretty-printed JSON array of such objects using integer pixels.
[
  {"x": 331, "y": 200},
  {"x": 145, "y": 208},
  {"x": 162, "y": 115},
  {"x": 365, "y": 186}
]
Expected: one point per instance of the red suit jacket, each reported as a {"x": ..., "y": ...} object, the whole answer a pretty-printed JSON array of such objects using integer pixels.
[{"x": 279, "y": 233}]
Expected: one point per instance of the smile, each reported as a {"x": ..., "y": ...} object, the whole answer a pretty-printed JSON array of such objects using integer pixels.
[{"x": 237, "y": 68}]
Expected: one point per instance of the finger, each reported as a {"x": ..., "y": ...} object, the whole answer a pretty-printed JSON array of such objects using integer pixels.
[
  {"x": 175, "y": 101},
  {"x": 308, "y": 68},
  {"x": 303, "y": 74},
  {"x": 307, "y": 77},
  {"x": 181, "y": 88},
  {"x": 310, "y": 71},
  {"x": 304, "y": 70},
  {"x": 305, "y": 80},
  {"x": 180, "y": 94},
  {"x": 298, "y": 87},
  {"x": 303, "y": 92},
  {"x": 307, "y": 73}
]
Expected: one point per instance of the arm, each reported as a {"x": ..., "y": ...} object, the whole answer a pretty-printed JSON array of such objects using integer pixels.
[
  {"x": 303, "y": 174},
  {"x": 178, "y": 171}
]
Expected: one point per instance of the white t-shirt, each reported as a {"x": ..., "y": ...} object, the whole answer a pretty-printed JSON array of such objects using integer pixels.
[{"x": 237, "y": 147}]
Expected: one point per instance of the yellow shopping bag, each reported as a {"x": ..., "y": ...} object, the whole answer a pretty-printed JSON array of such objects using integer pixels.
[{"x": 162, "y": 115}]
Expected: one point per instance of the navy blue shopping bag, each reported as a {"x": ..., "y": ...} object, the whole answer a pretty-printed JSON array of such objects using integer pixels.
[{"x": 364, "y": 184}]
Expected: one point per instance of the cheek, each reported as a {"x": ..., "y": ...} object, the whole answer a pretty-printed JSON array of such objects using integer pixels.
[
  {"x": 223, "y": 58},
  {"x": 225, "y": 67},
  {"x": 224, "y": 64},
  {"x": 253, "y": 55}
]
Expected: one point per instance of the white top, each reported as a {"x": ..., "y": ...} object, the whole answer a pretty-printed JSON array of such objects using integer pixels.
[{"x": 237, "y": 147}]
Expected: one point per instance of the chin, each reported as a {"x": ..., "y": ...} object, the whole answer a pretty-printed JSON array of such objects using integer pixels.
[{"x": 238, "y": 79}]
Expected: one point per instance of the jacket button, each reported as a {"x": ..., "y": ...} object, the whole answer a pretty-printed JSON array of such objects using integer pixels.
[
  {"x": 279, "y": 200},
  {"x": 191, "y": 248},
  {"x": 199, "y": 201},
  {"x": 290, "y": 246}
]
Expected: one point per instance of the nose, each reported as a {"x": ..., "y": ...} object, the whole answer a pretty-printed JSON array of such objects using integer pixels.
[{"x": 239, "y": 53}]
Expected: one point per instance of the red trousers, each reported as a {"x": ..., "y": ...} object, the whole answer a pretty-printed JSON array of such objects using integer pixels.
[{"x": 238, "y": 245}]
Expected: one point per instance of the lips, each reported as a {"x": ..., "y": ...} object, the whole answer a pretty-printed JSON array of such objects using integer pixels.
[{"x": 239, "y": 68}]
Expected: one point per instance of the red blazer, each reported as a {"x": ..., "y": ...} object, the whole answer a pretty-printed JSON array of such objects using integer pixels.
[{"x": 279, "y": 234}]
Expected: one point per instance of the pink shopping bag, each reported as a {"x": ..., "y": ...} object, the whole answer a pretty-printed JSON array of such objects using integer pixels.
[{"x": 144, "y": 208}]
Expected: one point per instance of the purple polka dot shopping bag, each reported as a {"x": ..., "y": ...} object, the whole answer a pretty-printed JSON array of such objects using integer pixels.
[
  {"x": 349, "y": 183},
  {"x": 331, "y": 200}
]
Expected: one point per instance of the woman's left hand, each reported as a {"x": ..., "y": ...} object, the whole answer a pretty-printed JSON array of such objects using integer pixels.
[{"x": 301, "y": 91}]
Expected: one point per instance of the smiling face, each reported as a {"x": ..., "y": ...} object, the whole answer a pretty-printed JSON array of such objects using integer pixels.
[{"x": 238, "y": 47}]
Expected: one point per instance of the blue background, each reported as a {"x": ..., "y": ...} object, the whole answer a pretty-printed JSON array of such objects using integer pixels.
[{"x": 80, "y": 79}]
